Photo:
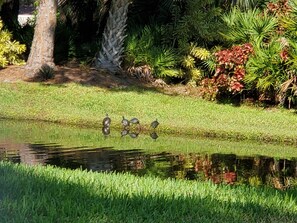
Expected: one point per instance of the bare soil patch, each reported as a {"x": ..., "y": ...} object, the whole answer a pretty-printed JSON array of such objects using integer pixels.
[{"x": 95, "y": 77}]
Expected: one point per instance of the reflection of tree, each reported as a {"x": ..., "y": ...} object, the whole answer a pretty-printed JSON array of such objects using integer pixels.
[{"x": 218, "y": 168}]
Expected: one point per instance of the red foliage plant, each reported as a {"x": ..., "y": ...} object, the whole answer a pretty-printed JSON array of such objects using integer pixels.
[{"x": 230, "y": 70}]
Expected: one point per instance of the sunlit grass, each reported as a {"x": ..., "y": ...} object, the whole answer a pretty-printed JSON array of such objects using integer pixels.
[
  {"x": 48, "y": 194},
  {"x": 86, "y": 106},
  {"x": 69, "y": 136}
]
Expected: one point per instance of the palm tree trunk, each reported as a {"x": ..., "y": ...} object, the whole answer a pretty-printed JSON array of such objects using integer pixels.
[
  {"x": 42, "y": 49},
  {"x": 110, "y": 55}
]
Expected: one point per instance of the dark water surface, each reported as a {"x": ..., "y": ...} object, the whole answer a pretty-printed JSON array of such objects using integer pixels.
[{"x": 192, "y": 159}]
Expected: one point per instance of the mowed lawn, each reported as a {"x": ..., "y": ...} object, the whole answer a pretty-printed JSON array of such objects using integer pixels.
[{"x": 86, "y": 106}]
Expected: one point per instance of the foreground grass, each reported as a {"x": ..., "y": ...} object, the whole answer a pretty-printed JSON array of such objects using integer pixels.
[
  {"x": 47, "y": 194},
  {"x": 86, "y": 106}
]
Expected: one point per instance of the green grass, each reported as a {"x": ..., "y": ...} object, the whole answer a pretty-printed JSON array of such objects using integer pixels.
[
  {"x": 70, "y": 136},
  {"x": 86, "y": 106},
  {"x": 47, "y": 194}
]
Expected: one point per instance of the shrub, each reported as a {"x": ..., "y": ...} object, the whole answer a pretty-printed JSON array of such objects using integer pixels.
[
  {"x": 46, "y": 72},
  {"x": 143, "y": 48},
  {"x": 10, "y": 50},
  {"x": 230, "y": 72},
  {"x": 192, "y": 64}
]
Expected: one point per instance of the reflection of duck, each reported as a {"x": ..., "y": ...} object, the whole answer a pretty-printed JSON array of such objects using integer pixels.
[
  {"x": 134, "y": 134},
  {"x": 124, "y": 132},
  {"x": 106, "y": 130},
  {"x": 154, "y": 135},
  {"x": 125, "y": 122},
  {"x": 106, "y": 121},
  {"x": 155, "y": 124}
]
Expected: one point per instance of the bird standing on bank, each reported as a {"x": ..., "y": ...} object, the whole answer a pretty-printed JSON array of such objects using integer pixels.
[
  {"x": 155, "y": 124},
  {"x": 134, "y": 121},
  {"x": 125, "y": 122},
  {"x": 106, "y": 121}
]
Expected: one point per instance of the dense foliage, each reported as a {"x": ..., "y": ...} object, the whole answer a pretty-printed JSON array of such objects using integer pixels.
[
  {"x": 10, "y": 50},
  {"x": 193, "y": 42}
]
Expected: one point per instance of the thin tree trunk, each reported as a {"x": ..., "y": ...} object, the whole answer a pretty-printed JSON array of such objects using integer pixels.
[{"x": 42, "y": 50}]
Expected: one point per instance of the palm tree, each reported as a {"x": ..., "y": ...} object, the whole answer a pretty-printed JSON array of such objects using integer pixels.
[{"x": 110, "y": 55}]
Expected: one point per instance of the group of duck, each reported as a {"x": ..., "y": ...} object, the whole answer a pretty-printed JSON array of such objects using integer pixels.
[{"x": 126, "y": 126}]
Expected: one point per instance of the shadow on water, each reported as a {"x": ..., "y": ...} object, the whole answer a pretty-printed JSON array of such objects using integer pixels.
[
  {"x": 218, "y": 168},
  {"x": 221, "y": 161},
  {"x": 81, "y": 205}
]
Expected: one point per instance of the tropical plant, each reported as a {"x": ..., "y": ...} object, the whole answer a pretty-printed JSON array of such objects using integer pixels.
[
  {"x": 10, "y": 50},
  {"x": 288, "y": 23},
  {"x": 192, "y": 62},
  {"x": 253, "y": 26},
  {"x": 267, "y": 70},
  {"x": 248, "y": 4},
  {"x": 144, "y": 50},
  {"x": 195, "y": 21},
  {"x": 46, "y": 72},
  {"x": 229, "y": 74}
]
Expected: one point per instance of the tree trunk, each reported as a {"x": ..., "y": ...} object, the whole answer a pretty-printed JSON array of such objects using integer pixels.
[
  {"x": 110, "y": 55},
  {"x": 42, "y": 49}
]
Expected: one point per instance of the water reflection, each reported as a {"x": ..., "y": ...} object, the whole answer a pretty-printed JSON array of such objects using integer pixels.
[
  {"x": 218, "y": 168},
  {"x": 154, "y": 135},
  {"x": 106, "y": 130}
]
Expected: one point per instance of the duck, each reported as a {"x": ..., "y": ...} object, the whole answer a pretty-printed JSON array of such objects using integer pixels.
[
  {"x": 106, "y": 121},
  {"x": 125, "y": 122},
  {"x": 134, "y": 121},
  {"x": 155, "y": 124}
]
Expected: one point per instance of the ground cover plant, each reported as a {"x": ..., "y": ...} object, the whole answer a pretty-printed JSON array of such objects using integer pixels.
[
  {"x": 47, "y": 194},
  {"x": 86, "y": 106}
]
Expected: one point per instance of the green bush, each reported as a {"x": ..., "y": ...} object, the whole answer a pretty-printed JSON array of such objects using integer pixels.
[
  {"x": 46, "y": 72},
  {"x": 10, "y": 50},
  {"x": 143, "y": 47}
]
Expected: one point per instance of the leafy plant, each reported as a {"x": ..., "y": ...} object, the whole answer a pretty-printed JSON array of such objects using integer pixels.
[
  {"x": 230, "y": 71},
  {"x": 196, "y": 20},
  {"x": 266, "y": 70},
  {"x": 10, "y": 50},
  {"x": 46, "y": 72},
  {"x": 145, "y": 49},
  {"x": 192, "y": 62},
  {"x": 253, "y": 26}
]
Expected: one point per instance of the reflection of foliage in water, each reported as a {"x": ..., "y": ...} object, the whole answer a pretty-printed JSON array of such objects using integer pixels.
[{"x": 167, "y": 157}]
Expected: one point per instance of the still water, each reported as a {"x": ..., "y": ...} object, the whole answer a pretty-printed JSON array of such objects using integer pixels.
[{"x": 164, "y": 156}]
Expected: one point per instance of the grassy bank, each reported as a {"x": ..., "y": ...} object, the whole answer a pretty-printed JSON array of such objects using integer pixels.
[
  {"x": 46, "y": 194},
  {"x": 70, "y": 136},
  {"x": 86, "y": 106}
]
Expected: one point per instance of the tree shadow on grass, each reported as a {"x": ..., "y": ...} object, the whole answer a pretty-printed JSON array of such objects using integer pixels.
[
  {"x": 97, "y": 78},
  {"x": 29, "y": 195}
]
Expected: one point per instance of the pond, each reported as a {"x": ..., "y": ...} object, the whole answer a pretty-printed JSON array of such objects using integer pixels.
[{"x": 165, "y": 156}]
